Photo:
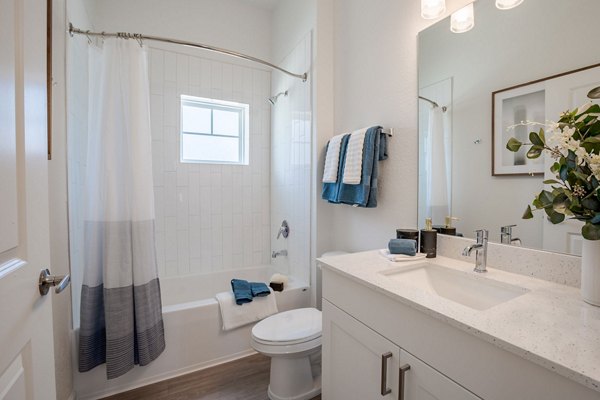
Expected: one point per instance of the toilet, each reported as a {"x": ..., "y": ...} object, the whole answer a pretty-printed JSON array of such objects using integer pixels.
[{"x": 293, "y": 341}]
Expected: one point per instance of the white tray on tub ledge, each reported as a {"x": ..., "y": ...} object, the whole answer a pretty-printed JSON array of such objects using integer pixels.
[{"x": 401, "y": 257}]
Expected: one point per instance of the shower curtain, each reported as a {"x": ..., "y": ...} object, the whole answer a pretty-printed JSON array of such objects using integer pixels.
[
  {"x": 121, "y": 313},
  {"x": 438, "y": 164}
]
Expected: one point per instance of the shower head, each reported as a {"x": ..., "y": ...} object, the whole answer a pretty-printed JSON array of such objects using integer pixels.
[{"x": 273, "y": 99}]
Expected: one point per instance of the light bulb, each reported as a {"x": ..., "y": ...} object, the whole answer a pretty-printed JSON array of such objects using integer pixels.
[
  {"x": 507, "y": 4},
  {"x": 463, "y": 20},
  {"x": 431, "y": 9}
]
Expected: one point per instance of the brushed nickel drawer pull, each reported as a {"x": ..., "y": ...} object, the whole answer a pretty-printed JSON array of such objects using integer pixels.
[
  {"x": 384, "y": 358},
  {"x": 403, "y": 370}
]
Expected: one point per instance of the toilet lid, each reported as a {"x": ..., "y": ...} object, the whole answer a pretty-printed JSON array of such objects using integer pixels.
[{"x": 290, "y": 326}]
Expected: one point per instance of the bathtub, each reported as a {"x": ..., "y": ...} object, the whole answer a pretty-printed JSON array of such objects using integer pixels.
[{"x": 194, "y": 338}]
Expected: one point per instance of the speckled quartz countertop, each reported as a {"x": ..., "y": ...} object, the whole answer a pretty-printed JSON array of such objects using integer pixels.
[{"x": 549, "y": 325}]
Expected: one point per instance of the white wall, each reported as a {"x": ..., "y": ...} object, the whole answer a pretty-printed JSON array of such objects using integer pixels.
[
  {"x": 231, "y": 24},
  {"x": 376, "y": 83}
]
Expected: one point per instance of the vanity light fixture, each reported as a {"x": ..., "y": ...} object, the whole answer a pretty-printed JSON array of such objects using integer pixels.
[
  {"x": 507, "y": 4},
  {"x": 431, "y": 9},
  {"x": 463, "y": 20},
  {"x": 594, "y": 93}
]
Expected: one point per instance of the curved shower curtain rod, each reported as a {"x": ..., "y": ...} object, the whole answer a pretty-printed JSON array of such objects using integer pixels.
[{"x": 140, "y": 37}]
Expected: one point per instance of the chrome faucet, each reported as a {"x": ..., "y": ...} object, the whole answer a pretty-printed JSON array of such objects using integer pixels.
[
  {"x": 274, "y": 254},
  {"x": 506, "y": 235},
  {"x": 481, "y": 251}
]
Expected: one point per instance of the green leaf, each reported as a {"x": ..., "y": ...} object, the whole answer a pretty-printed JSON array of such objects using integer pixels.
[
  {"x": 546, "y": 198},
  {"x": 542, "y": 135},
  {"x": 571, "y": 160},
  {"x": 535, "y": 139},
  {"x": 555, "y": 217},
  {"x": 561, "y": 203},
  {"x": 513, "y": 145},
  {"x": 591, "y": 204},
  {"x": 591, "y": 231},
  {"x": 551, "y": 182},
  {"x": 534, "y": 152},
  {"x": 592, "y": 140},
  {"x": 596, "y": 219},
  {"x": 527, "y": 214},
  {"x": 555, "y": 168},
  {"x": 564, "y": 172}
]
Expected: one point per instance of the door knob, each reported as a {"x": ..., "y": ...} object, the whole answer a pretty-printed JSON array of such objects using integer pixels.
[{"x": 60, "y": 282}]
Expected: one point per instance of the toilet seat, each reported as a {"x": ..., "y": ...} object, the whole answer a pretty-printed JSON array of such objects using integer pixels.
[{"x": 289, "y": 327}]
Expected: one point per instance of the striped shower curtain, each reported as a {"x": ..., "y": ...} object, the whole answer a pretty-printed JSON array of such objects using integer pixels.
[{"x": 121, "y": 314}]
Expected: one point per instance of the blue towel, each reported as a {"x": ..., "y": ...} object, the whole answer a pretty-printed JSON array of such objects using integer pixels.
[
  {"x": 259, "y": 289},
  {"x": 365, "y": 193},
  {"x": 241, "y": 291},
  {"x": 403, "y": 246},
  {"x": 330, "y": 190}
]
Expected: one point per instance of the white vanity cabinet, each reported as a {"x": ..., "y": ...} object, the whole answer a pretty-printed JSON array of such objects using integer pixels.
[
  {"x": 359, "y": 363},
  {"x": 364, "y": 324}
]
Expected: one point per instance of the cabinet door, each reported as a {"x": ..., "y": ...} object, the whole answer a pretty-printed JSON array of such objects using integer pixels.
[
  {"x": 358, "y": 363},
  {"x": 421, "y": 382}
]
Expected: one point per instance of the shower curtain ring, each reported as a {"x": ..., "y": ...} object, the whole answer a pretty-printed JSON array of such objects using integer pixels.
[
  {"x": 87, "y": 35},
  {"x": 138, "y": 37},
  {"x": 103, "y": 37}
]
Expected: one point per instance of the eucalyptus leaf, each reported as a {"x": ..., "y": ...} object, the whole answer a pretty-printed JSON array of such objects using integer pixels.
[
  {"x": 527, "y": 214},
  {"x": 513, "y": 145},
  {"x": 555, "y": 217},
  {"x": 591, "y": 203},
  {"x": 591, "y": 231},
  {"x": 596, "y": 219},
  {"x": 535, "y": 139},
  {"x": 534, "y": 152},
  {"x": 564, "y": 172},
  {"x": 551, "y": 182},
  {"x": 546, "y": 198},
  {"x": 561, "y": 203}
]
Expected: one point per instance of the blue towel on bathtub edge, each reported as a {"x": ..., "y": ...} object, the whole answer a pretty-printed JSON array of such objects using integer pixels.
[
  {"x": 242, "y": 291},
  {"x": 259, "y": 289}
]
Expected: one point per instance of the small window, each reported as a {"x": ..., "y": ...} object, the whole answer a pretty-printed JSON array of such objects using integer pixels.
[{"x": 214, "y": 131}]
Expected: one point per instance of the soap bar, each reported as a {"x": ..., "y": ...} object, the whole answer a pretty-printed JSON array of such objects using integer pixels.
[{"x": 403, "y": 246}]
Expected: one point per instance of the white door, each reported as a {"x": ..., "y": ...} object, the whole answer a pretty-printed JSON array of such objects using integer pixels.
[
  {"x": 421, "y": 382},
  {"x": 358, "y": 363},
  {"x": 26, "y": 343},
  {"x": 566, "y": 93}
]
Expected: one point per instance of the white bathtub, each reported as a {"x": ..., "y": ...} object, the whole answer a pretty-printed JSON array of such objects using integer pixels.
[{"x": 194, "y": 338}]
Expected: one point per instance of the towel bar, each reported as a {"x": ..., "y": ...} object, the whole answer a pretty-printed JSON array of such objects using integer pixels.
[{"x": 388, "y": 131}]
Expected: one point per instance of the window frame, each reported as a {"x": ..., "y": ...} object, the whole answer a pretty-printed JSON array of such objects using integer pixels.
[{"x": 243, "y": 111}]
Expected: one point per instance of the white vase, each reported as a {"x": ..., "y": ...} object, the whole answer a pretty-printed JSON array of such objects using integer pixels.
[{"x": 590, "y": 271}]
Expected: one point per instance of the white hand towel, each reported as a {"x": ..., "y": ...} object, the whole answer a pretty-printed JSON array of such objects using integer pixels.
[
  {"x": 235, "y": 316},
  {"x": 332, "y": 159},
  {"x": 354, "y": 157}
]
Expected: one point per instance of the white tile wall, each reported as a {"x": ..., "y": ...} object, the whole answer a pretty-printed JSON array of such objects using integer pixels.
[
  {"x": 291, "y": 163},
  {"x": 208, "y": 217}
]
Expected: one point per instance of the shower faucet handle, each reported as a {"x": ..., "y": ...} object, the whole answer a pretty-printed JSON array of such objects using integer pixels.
[{"x": 284, "y": 230}]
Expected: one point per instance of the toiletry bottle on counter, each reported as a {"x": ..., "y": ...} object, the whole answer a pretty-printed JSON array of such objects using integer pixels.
[
  {"x": 448, "y": 229},
  {"x": 428, "y": 239}
]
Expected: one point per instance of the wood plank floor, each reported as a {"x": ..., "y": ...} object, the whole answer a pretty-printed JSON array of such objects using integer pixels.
[{"x": 243, "y": 379}]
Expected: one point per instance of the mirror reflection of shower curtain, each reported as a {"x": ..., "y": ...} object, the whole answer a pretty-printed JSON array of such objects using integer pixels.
[
  {"x": 438, "y": 167},
  {"x": 121, "y": 314}
]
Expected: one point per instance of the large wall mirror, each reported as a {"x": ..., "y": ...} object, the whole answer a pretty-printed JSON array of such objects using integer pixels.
[{"x": 458, "y": 73}]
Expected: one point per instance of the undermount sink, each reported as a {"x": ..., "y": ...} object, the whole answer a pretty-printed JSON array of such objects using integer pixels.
[{"x": 466, "y": 288}]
